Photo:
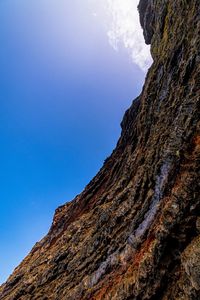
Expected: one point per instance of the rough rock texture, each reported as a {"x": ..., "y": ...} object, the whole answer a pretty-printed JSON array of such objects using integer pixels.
[{"x": 134, "y": 232}]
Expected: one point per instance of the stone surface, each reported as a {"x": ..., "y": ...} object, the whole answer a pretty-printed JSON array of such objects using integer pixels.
[{"x": 134, "y": 231}]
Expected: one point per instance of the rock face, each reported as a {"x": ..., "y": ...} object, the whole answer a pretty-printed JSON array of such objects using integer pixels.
[{"x": 134, "y": 232}]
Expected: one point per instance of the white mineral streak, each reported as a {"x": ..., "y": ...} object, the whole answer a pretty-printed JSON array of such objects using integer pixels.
[
  {"x": 116, "y": 258},
  {"x": 149, "y": 216},
  {"x": 121, "y": 257},
  {"x": 158, "y": 194}
]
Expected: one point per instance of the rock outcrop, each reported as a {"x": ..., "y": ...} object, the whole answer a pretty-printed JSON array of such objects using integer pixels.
[{"x": 134, "y": 232}]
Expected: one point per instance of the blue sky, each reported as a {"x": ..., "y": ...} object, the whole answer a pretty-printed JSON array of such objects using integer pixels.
[{"x": 63, "y": 92}]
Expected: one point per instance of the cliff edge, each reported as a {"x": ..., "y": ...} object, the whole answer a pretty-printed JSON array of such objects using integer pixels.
[{"x": 134, "y": 232}]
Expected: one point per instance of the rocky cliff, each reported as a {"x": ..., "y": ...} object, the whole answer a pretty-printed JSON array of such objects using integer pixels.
[{"x": 134, "y": 232}]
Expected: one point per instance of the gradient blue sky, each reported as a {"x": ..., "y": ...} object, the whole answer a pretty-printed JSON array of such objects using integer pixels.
[{"x": 63, "y": 92}]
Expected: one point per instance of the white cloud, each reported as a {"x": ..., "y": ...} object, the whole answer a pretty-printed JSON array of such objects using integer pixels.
[{"x": 125, "y": 30}]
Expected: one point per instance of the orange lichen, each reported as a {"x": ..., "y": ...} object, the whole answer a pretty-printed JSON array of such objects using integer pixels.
[
  {"x": 108, "y": 285},
  {"x": 144, "y": 249},
  {"x": 197, "y": 141}
]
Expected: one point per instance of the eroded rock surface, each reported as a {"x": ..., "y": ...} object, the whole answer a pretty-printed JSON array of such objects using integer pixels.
[{"x": 134, "y": 232}]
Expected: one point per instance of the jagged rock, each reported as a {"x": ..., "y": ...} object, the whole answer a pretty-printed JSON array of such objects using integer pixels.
[{"x": 134, "y": 231}]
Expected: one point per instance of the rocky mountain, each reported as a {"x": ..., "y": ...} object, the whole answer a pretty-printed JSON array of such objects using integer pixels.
[{"x": 134, "y": 232}]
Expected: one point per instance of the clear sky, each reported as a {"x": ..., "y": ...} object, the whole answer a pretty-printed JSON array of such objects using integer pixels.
[{"x": 68, "y": 71}]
